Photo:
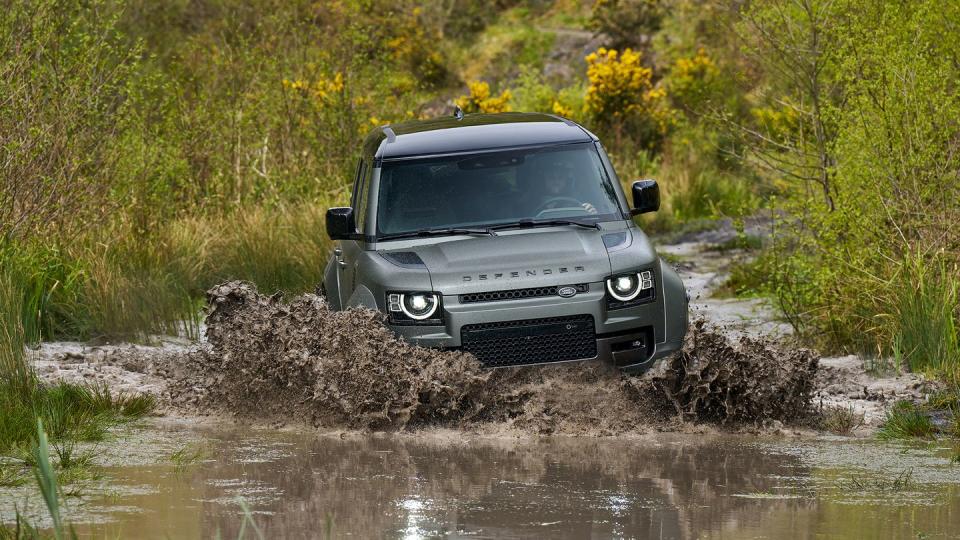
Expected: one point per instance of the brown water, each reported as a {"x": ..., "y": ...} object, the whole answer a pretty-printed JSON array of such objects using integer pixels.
[{"x": 297, "y": 484}]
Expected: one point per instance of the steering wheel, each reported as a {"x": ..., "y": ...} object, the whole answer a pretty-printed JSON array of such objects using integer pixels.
[{"x": 552, "y": 200}]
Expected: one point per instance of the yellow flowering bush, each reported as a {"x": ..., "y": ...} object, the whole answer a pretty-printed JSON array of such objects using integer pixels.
[
  {"x": 622, "y": 95},
  {"x": 322, "y": 92},
  {"x": 693, "y": 81},
  {"x": 560, "y": 109},
  {"x": 481, "y": 100},
  {"x": 776, "y": 123}
]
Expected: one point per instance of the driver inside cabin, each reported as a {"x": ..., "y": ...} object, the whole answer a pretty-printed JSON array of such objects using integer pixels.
[
  {"x": 567, "y": 183},
  {"x": 557, "y": 191}
]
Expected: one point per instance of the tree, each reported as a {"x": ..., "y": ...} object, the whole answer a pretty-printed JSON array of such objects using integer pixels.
[{"x": 791, "y": 41}]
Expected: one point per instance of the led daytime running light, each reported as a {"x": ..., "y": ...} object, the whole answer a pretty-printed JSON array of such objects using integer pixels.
[
  {"x": 641, "y": 280},
  {"x": 423, "y": 316}
]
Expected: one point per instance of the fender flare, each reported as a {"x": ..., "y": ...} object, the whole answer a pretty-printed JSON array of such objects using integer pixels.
[
  {"x": 362, "y": 297},
  {"x": 331, "y": 284}
]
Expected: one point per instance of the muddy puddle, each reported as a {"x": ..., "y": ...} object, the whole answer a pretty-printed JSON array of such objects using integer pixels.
[{"x": 298, "y": 484}]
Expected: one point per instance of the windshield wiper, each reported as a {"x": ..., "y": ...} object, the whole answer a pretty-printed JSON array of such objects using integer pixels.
[
  {"x": 489, "y": 231},
  {"x": 442, "y": 231},
  {"x": 546, "y": 223}
]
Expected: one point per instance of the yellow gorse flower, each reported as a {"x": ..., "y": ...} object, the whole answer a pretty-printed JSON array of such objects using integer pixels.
[
  {"x": 694, "y": 80},
  {"x": 323, "y": 91},
  {"x": 698, "y": 66},
  {"x": 621, "y": 87},
  {"x": 561, "y": 110},
  {"x": 480, "y": 99}
]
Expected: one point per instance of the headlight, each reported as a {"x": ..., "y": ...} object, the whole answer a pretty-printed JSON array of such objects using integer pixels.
[
  {"x": 414, "y": 307},
  {"x": 627, "y": 287}
]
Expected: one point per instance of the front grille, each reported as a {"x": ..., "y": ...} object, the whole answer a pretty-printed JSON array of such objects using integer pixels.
[
  {"x": 533, "y": 341},
  {"x": 534, "y": 292}
]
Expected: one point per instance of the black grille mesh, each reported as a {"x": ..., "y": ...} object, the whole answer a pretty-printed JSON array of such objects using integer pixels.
[
  {"x": 533, "y": 341},
  {"x": 534, "y": 292}
]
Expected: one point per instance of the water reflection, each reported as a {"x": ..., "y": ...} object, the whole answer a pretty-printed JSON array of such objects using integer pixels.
[{"x": 405, "y": 487}]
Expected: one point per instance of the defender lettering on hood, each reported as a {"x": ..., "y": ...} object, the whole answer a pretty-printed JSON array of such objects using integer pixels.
[{"x": 516, "y": 274}]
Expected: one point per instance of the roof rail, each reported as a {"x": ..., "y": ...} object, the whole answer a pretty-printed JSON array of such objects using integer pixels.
[{"x": 391, "y": 136}]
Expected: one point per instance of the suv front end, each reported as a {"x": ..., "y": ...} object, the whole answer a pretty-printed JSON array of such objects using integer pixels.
[{"x": 475, "y": 271}]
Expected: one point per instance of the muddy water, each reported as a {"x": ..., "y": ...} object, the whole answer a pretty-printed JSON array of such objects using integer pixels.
[{"x": 440, "y": 484}]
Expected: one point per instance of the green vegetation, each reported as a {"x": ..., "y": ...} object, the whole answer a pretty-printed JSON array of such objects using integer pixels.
[
  {"x": 189, "y": 455},
  {"x": 905, "y": 421},
  {"x": 860, "y": 484},
  {"x": 47, "y": 482},
  {"x": 840, "y": 420},
  {"x": 928, "y": 337},
  {"x": 72, "y": 413},
  {"x": 869, "y": 169}
]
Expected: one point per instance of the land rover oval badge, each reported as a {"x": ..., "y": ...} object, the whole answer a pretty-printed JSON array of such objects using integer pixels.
[{"x": 567, "y": 292}]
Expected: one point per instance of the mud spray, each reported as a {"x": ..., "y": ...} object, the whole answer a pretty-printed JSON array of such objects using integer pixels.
[{"x": 268, "y": 359}]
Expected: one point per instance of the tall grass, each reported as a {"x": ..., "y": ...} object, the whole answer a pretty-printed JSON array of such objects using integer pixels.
[
  {"x": 15, "y": 372},
  {"x": 137, "y": 285},
  {"x": 906, "y": 421},
  {"x": 929, "y": 336},
  {"x": 72, "y": 412},
  {"x": 46, "y": 479},
  {"x": 282, "y": 248}
]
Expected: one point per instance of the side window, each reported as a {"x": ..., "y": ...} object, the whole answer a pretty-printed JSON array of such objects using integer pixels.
[{"x": 360, "y": 195}]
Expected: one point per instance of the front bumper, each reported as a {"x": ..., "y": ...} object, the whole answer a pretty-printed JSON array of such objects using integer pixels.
[{"x": 631, "y": 337}]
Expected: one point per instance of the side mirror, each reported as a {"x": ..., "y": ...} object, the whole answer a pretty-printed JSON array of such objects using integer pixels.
[
  {"x": 341, "y": 224},
  {"x": 646, "y": 197}
]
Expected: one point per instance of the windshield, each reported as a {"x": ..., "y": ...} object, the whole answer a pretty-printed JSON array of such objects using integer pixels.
[{"x": 555, "y": 183}]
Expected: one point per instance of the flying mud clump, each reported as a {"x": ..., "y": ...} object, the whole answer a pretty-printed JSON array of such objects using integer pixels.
[
  {"x": 267, "y": 358},
  {"x": 713, "y": 379},
  {"x": 300, "y": 361}
]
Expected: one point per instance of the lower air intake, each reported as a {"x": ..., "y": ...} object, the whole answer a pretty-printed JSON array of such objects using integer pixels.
[{"x": 533, "y": 341}]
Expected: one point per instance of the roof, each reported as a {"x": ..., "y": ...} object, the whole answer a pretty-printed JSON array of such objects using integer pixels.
[{"x": 474, "y": 132}]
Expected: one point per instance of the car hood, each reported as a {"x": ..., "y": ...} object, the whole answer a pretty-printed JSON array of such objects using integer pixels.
[{"x": 516, "y": 260}]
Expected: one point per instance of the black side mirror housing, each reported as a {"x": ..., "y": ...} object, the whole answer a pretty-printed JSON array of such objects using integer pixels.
[
  {"x": 646, "y": 197},
  {"x": 341, "y": 225}
]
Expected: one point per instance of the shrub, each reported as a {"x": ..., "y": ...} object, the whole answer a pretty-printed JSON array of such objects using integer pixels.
[
  {"x": 875, "y": 269},
  {"x": 926, "y": 303},
  {"x": 840, "y": 420},
  {"x": 621, "y": 96},
  {"x": 480, "y": 100},
  {"x": 694, "y": 82},
  {"x": 905, "y": 421},
  {"x": 64, "y": 76}
]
